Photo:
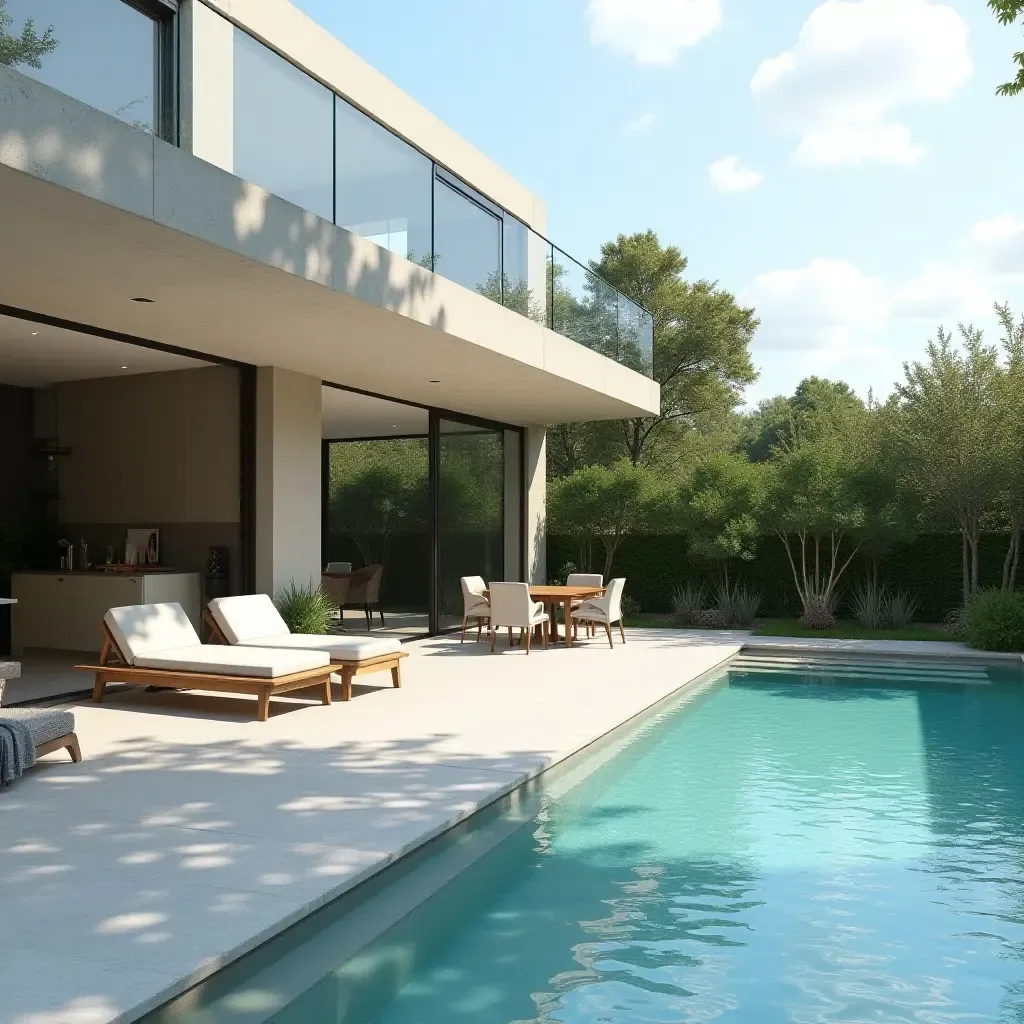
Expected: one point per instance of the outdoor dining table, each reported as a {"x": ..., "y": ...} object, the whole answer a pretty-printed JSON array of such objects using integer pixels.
[{"x": 553, "y": 596}]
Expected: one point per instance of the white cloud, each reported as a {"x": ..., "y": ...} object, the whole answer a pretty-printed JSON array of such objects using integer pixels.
[
  {"x": 641, "y": 123},
  {"x": 853, "y": 63},
  {"x": 652, "y": 31},
  {"x": 827, "y": 305},
  {"x": 998, "y": 244},
  {"x": 943, "y": 293},
  {"x": 729, "y": 175}
]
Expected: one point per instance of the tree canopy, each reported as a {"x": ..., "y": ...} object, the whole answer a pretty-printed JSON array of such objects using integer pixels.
[
  {"x": 1008, "y": 12},
  {"x": 26, "y": 47}
]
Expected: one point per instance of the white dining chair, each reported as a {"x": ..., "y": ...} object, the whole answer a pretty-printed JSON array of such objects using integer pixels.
[
  {"x": 475, "y": 604},
  {"x": 584, "y": 579},
  {"x": 605, "y": 610},
  {"x": 512, "y": 606}
]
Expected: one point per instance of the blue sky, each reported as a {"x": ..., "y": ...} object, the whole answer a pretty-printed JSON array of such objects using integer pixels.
[{"x": 842, "y": 165}]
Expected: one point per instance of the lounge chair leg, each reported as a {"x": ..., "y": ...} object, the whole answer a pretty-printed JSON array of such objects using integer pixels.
[
  {"x": 608, "y": 630},
  {"x": 527, "y": 633},
  {"x": 263, "y": 706},
  {"x": 327, "y": 698},
  {"x": 346, "y": 684},
  {"x": 622, "y": 631},
  {"x": 98, "y": 688},
  {"x": 396, "y": 674},
  {"x": 465, "y": 619},
  {"x": 73, "y": 748}
]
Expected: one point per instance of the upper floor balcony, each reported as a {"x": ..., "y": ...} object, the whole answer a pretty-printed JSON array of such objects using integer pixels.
[{"x": 211, "y": 87}]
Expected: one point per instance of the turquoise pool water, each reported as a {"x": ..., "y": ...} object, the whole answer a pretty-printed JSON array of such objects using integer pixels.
[{"x": 780, "y": 849}]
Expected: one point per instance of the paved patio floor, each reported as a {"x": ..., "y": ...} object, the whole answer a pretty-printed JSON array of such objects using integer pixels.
[{"x": 191, "y": 832}]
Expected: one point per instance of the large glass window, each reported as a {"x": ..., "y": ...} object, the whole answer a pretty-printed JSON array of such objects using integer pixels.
[
  {"x": 283, "y": 128},
  {"x": 467, "y": 241},
  {"x": 471, "y": 497},
  {"x": 382, "y": 191},
  {"x": 102, "y": 52}
]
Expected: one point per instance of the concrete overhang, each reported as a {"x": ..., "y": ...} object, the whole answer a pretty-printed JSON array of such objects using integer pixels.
[{"x": 94, "y": 213}]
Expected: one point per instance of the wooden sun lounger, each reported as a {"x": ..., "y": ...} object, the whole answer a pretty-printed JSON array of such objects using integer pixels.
[
  {"x": 119, "y": 671},
  {"x": 347, "y": 670}
]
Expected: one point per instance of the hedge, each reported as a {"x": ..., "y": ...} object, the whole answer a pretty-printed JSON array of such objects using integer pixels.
[{"x": 928, "y": 568}]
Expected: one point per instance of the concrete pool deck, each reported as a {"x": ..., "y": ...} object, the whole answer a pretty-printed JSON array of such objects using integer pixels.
[{"x": 190, "y": 833}]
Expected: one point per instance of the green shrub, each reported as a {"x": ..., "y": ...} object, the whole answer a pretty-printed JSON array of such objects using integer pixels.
[
  {"x": 305, "y": 608},
  {"x": 995, "y": 621}
]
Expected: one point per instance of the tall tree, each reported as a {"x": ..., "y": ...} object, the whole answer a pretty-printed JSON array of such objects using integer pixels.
[
  {"x": 27, "y": 47},
  {"x": 608, "y": 505},
  {"x": 950, "y": 430},
  {"x": 1008, "y": 11},
  {"x": 702, "y": 342}
]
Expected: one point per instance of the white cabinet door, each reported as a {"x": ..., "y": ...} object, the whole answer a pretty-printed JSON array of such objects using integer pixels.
[
  {"x": 91, "y": 596},
  {"x": 41, "y": 616}
]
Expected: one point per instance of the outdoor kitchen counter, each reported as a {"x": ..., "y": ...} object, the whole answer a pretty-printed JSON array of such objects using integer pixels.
[{"x": 63, "y": 610}]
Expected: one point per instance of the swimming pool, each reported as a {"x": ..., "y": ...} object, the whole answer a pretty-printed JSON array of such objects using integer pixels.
[{"x": 788, "y": 845}]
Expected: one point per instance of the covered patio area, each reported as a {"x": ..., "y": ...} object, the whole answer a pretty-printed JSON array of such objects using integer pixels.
[{"x": 191, "y": 833}]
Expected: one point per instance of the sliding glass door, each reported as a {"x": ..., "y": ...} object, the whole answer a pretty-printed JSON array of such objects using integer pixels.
[{"x": 470, "y": 511}]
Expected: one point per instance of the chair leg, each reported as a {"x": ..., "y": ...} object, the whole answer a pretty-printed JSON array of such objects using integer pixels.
[
  {"x": 465, "y": 619},
  {"x": 73, "y": 748},
  {"x": 622, "y": 631},
  {"x": 608, "y": 630}
]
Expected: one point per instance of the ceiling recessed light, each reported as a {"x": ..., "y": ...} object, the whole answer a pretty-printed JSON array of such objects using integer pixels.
[{"x": 141, "y": 298}]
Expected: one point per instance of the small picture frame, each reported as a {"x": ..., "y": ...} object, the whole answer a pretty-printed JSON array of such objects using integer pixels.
[{"x": 146, "y": 545}]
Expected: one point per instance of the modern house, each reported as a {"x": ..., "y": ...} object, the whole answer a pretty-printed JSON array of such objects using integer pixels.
[{"x": 228, "y": 245}]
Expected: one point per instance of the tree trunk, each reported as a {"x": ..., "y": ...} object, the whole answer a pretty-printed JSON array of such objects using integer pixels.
[{"x": 965, "y": 566}]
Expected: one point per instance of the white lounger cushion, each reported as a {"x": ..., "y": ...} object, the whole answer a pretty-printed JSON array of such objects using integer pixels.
[
  {"x": 340, "y": 648},
  {"x": 140, "y": 629},
  {"x": 247, "y": 617},
  {"x": 218, "y": 660},
  {"x": 253, "y": 621}
]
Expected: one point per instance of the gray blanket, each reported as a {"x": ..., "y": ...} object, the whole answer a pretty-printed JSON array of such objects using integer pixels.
[{"x": 17, "y": 751}]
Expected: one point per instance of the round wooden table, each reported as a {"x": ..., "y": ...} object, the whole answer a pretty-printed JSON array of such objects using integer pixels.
[{"x": 552, "y": 596}]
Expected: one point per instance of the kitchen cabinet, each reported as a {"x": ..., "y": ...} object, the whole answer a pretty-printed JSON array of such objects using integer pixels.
[{"x": 63, "y": 611}]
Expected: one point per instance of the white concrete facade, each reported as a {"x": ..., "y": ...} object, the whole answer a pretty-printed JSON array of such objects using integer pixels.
[
  {"x": 239, "y": 274},
  {"x": 288, "y": 479}
]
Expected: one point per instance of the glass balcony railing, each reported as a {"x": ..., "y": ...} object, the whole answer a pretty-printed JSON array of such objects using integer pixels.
[{"x": 296, "y": 138}]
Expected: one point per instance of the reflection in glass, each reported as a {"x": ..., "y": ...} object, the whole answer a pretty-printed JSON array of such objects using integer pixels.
[
  {"x": 283, "y": 128},
  {"x": 636, "y": 338},
  {"x": 585, "y": 308},
  {"x": 103, "y": 53},
  {"x": 382, "y": 190},
  {"x": 467, "y": 242},
  {"x": 524, "y": 271},
  {"x": 471, "y": 509},
  {"x": 378, "y": 514}
]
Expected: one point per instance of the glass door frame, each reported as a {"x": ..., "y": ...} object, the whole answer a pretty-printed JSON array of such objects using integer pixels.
[{"x": 435, "y": 415}]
